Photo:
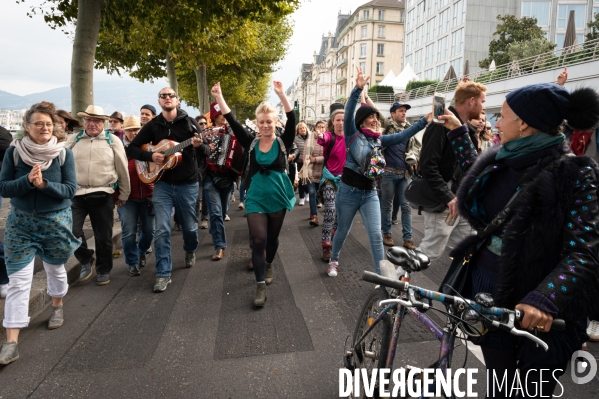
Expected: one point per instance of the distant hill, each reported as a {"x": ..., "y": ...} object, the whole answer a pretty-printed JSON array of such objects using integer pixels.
[{"x": 126, "y": 96}]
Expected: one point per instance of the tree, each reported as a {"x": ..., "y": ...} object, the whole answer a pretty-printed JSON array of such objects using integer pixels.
[
  {"x": 511, "y": 29},
  {"x": 593, "y": 29},
  {"x": 519, "y": 50}
]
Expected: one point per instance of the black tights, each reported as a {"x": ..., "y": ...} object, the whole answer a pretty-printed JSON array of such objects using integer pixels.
[
  {"x": 534, "y": 382},
  {"x": 264, "y": 235}
]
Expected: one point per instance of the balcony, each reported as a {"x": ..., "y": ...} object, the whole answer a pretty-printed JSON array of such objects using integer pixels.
[
  {"x": 341, "y": 80},
  {"x": 342, "y": 62}
]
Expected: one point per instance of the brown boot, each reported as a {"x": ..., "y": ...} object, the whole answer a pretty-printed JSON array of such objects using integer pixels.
[
  {"x": 409, "y": 244},
  {"x": 388, "y": 240},
  {"x": 219, "y": 254},
  {"x": 260, "y": 294},
  {"x": 268, "y": 273},
  {"x": 314, "y": 220}
]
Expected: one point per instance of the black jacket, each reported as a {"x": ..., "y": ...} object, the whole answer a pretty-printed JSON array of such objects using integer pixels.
[
  {"x": 180, "y": 129},
  {"x": 5, "y": 140},
  {"x": 437, "y": 160}
]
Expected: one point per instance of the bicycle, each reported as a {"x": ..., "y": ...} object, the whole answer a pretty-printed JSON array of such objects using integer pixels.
[{"x": 377, "y": 331}]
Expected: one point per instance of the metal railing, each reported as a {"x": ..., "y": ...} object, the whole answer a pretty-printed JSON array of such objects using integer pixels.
[
  {"x": 341, "y": 79},
  {"x": 341, "y": 62},
  {"x": 557, "y": 58},
  {"x": 382, "y": 97}
]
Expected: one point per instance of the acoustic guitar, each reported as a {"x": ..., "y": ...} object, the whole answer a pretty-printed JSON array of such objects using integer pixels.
[{"x": 150, "y": 172}]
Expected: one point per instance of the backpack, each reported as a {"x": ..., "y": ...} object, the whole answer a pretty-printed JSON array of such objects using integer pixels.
[
  {"x": 61, "y": 156},
  {"x": 373, "y": 164},
  {"x": 412, "y": 154}
]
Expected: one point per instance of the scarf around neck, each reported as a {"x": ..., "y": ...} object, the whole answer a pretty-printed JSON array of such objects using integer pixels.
[
  {"x": 305, "y": 173},
  {"x": 528, "y": 145},
  {"x": 369, "y": 133},
  {"x": 35, "y": 154}
]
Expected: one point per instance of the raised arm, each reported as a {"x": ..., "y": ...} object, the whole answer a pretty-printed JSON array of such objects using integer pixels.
[
  {"x": 238, "y": 130},
  {"x": 349, "y": 120},
  {"x": 278, "y": 87}
]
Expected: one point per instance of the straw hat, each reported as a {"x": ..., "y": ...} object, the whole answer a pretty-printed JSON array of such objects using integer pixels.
[
  {"x": 94, "y": 111},
  {"x": 131, "y": 122}
]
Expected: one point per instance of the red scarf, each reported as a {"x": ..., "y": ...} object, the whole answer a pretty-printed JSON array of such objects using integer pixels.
[{"x": 579, "y": 141}]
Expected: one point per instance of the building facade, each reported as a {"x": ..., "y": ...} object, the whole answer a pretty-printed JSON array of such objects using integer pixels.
[{"x": 372, "y": 38}]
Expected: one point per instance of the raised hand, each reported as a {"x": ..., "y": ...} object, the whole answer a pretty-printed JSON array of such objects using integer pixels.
[
  {"x": 361, "y": 80},
  {"x": 563, "y": 77},
  {"x": 278, "y": 87},
  {"x": 216, "y": 91}
]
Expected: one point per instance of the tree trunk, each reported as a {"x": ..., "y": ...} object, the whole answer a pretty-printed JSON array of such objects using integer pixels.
[
  {"x": 84, "y": 51},
  {"x": 203, "y": 104},
  {"x": 171, "y": 73}
]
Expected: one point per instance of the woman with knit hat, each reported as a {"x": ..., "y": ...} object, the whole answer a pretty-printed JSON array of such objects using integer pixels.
[
  {"x": 357, "y": 192},
  {"x": 543, "y": 258}
]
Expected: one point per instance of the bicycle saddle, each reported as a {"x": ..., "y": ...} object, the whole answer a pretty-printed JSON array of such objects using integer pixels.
[{"x": 410, "y": 260}]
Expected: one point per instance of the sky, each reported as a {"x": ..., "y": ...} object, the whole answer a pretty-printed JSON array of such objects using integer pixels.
[{"x": 36, "y": 58}]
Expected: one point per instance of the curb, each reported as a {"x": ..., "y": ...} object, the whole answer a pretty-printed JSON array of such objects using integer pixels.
[{"x": 39, "y": 299}]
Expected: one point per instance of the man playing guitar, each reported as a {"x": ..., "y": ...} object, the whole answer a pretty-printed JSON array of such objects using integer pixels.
[{"x": 177, "y": 187}]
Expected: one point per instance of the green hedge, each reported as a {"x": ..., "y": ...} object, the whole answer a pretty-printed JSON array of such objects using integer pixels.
[
  {"x": 381, "y": 89},
  {"x": 414, "y": 84}
]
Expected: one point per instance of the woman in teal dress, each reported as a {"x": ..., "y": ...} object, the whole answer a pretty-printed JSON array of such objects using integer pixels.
[{"x": 269, "y": 192}]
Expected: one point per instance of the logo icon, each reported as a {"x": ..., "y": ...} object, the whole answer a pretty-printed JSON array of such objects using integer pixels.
[{"x": 579, "y": 363}]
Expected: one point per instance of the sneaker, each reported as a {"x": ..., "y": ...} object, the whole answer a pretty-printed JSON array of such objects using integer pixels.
[
  {"x": 103, "y": 279},
  {"x": 161, "y": 283},
  {"x": 149, "y": 251},
  {"x": 593, "y": 331},
  {"x": 178, "y": 227},
  {"x": 227, "y": 218},
  {"x": 409, "y": 244},
  {"x": 86, "y": 271},
  {"x": 333, "y": 268},
  {"x": 190, "y": 260},
  {"x": 302, "y": 201},
  {"x": 3, "y": 291},
  {"x": 319, "y": 205},
  {"x": 232, "y": 198},
  {"x": 56, "y": 318},
  {"x": 142, "y": 261},
  {"x": 9, "y": 353},
  {"x": 394, "y": 221},
  {"x": 134, "y": 271},
  {"x": 388, "y": 239},
  {"x": 204, "y": 224},
  {"x": 241, "y": 205}
]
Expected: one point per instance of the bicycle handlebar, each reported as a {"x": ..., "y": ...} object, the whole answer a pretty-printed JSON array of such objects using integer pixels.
[{"x": 506, "y": 325}]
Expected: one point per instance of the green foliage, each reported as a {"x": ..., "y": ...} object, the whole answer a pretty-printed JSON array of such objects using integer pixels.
[
  {"x": 381, "y": 89},
  {"x": 510, "y": 30},
  {"x": 414, "y": 84},
  {"x": 529, "y": 48},
  {"x": 593, "y": 28}
]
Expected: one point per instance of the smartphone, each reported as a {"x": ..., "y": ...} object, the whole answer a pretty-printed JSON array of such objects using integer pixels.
[{"x": 438, "y": 107}]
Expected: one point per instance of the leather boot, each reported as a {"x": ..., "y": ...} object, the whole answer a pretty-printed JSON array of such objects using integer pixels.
[
  {"x": 260, "y": 294},
  {"x": 9, "y": 353},
  {"x": 56, "y": 318},
  {"x": 327, "y": 249},
  {"x": 268, "y": 273}
]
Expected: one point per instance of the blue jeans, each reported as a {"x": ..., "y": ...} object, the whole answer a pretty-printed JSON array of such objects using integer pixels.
[
  {"x": 130, "y": 213},
  {"x": 183, "y": 197},
  {"x": 217, "y": 200},
  {"x": 394, "y": 186},
  {"x": 348, "y": 202},
  {"x": 312, "y": 192},
  {"x": 241, "y": 192}
]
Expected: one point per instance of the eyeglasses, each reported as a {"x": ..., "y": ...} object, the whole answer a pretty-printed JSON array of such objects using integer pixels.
[
  {"x": 40, "y": 125},
  {"x": 165, "y": 95},
  {"x": 94, "y": 120},
  {"x": 202, "y": 123}
]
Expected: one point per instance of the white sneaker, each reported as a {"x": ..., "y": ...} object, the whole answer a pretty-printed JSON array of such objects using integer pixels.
[
  {"x": 3, "y": 291},
  {"x": 241, "y": 205},
  {"x": 204, "y": 224},
  {"x": 302, "y": 201},
  {"x": 232, "y": 198},
  {"x": 593, "y": 331},
  {"x": 227, "y": 218},
  {"x": 333, "y": 268}
]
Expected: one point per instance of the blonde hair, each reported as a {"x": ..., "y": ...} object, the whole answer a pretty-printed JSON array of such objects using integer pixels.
[
  {"x": 301, "y": 124},
  {"x": 266, "y": 108},
  {"x": 467, "y": 90}
]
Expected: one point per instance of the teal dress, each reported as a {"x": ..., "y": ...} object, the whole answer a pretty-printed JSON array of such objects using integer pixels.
[{"x": 270, "y": 191}]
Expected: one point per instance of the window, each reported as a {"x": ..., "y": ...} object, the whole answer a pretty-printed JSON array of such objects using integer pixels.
[
  {"x": 310, "y": 89},
  {"x": 563, "y": 13},
  {"x": 309, "y": 113},
  {"x": 380, "y": 49},
  {"x": 363, "y": 66},
  {"x": 430, "y": 29},
  {"x": 444, "y": 21},
  {"x": 364, "y": 32},
  {"x": 322, "y": 111},
  {"x": 458, "y": 13},
  {"x": 538, "y": 10},
  {"x": 457, "y": 67},
  {"x": 381, "y": 15},
  {"x": 323, "y": 92},
  {"x": 381, "y": 31},
  {"x": 429, "y": 55},
  {"x": 456, "y": 41},
  {"x": 420, "y": 12},
  {"x": 595, "y": 11},
  {"x": 380, "y": 69},
  {"x": 428, "y": 74},
  {"x": 559, "y": 39},
  {"x": 362, "y": 50},
  {"x": 432, "y": 6},
  {"x": 444, "y": 3},
  {"x": 419, "y": 31},
  {"x": 442, "y": 49},
  {"x": 418, "y": 60},
  {"x": 441, "y": 70},
  {"x": 378, "y": 82},
  {"x": 408, "y": 60},
  {"x": 410, "y": 19},
  {"x": 366, "y": 15},
  {"x": 409, "y": 38}
]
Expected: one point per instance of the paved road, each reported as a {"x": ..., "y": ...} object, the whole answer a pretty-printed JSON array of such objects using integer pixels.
[{"x": 202, "y": 338}]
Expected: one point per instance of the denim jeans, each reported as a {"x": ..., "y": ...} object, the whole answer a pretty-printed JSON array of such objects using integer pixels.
[
  {"x": 130, "y": 212},
  {"x": 241, "y": 192},
  {"x": 348, "y": 202},
  {"x": 217, "y": 200},
  {"x": 394, "y": 186},
  {"x": 3, "y": 272},
  {"x": 183, "y": 197},
  {"x": 311, "y": 187}
]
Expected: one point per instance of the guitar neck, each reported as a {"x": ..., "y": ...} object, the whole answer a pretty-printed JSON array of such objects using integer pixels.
[{"x": 178, "y": 147}]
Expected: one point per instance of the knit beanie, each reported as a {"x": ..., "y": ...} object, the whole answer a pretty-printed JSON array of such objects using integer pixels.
[
  {"x": 214, "y": 111},
  {"x": 149, "y": 108},
  {"x": 364, "y": 112}
]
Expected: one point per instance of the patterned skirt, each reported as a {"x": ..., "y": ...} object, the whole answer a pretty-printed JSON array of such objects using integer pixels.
[{"x": 47, "y": 234}]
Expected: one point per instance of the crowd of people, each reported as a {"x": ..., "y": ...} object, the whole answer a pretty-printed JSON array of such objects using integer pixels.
[{"x": 533, "y": 185}]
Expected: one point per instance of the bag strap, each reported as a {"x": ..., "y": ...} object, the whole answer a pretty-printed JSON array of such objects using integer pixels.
[{"x": 330, "y": 148}]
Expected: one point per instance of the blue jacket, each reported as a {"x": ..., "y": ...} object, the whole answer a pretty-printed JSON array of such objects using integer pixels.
[
  {"x": 61, "y": 184},
  {"x": 362, "y": 145}
]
